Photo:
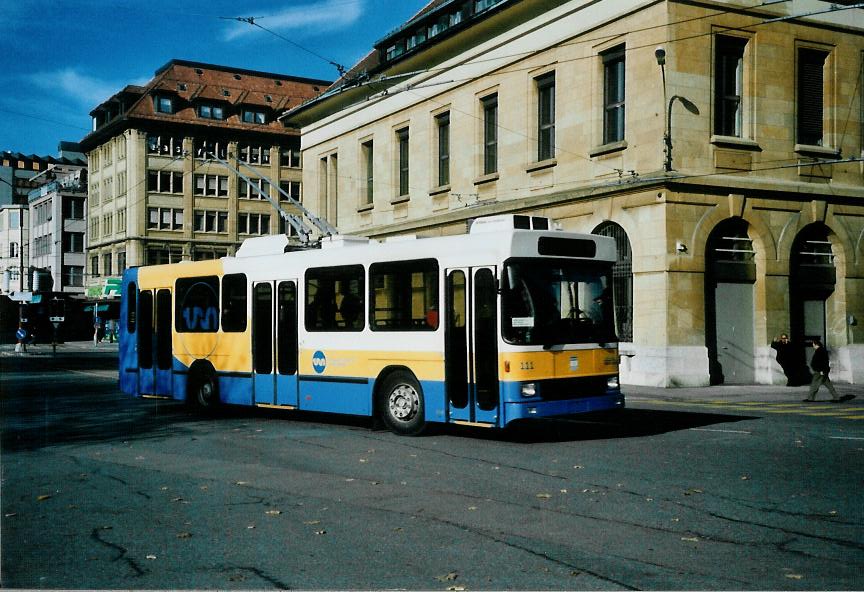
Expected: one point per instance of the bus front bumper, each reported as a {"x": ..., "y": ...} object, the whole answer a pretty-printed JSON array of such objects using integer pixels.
[{"x": 535, "y": 409}]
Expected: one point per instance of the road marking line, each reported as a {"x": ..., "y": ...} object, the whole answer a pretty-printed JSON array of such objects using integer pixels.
[
  {"x": 723, "y": 431},
  {"x": 845, "y": 438},
  {"x": 99, "y": 373}
]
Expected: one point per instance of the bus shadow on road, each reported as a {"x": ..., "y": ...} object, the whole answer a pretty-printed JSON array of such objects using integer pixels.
[{"x": 626, "y": 423}]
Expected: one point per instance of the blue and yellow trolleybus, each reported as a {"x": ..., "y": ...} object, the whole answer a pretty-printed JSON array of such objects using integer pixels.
[{"x": 510, "y": 321}]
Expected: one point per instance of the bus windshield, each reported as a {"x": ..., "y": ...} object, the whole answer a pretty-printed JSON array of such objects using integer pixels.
[{"x": 554, "y": 301}]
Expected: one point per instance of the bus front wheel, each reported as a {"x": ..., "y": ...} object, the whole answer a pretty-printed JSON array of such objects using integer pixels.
[{"x": 401, "y": 404}]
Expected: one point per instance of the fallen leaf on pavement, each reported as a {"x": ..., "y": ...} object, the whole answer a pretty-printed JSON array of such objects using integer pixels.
[{"x": 450, "y": 577}]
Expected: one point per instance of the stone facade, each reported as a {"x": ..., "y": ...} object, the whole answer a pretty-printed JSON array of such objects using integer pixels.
[{"x": 757, "y": 170}]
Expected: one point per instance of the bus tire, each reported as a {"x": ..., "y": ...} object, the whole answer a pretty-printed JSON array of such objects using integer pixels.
[
  {"x": 401, "y": 404},
  {"x": 205, "y": 390}
]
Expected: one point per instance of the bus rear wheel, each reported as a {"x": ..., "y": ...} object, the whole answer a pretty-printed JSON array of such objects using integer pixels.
[
  {"x": 205, "y": 391},
  {"x": 401, "y": 404}
]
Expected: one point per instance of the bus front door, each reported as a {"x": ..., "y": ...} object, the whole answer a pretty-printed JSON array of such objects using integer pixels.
[
  {"x": 471, "y": 345},
  {"x": 155, "y": 358},
  {"x": 274, "y": 344}
]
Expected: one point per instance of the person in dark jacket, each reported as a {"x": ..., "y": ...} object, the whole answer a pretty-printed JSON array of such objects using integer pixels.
[{"x": 821, "y": 367}]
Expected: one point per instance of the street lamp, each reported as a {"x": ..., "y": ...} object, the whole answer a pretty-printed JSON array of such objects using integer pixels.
[{"x": 660, "y": 55}]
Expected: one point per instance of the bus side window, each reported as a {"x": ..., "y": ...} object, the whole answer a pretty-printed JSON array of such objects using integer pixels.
[
  {"x": 404, "y": 295},
  {"x": 334, "y": 298},
  {"x": 234, "y": 302},
  {"x": 131, "y": 307}
]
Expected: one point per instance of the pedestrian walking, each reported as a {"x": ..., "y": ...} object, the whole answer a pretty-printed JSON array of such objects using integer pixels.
[
  {"x": 97, "y": 330},
  {"x": 821, "y": 368}
]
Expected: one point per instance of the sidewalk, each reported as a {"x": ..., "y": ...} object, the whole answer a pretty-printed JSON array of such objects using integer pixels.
[
  {"x": 766, "y": 393},
  {"x": 70, "y": 347}
]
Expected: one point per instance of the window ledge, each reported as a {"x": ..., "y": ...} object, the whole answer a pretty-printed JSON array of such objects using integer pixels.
[
  {"x": 439, "y": 190},
  {"x": 735, "y": 142},
  {"x": 399, "y": 199},
  {"x": 486, "y": 178},
  {"x": 365, "y": 208},
  {"x": 541, "y": 165},
  {"x": 608, "y": 148},
  {"x": 817, "y": 151}
]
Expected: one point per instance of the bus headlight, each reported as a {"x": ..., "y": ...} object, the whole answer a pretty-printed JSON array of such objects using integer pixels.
[
  {"x": 529, "y": 389},
  {"x": 612, "y": 382}
]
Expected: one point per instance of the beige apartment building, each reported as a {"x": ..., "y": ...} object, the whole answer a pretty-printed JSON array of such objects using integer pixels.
[
  {"x": 719, "y": 142},
  {"x": 157, "y": 191}
]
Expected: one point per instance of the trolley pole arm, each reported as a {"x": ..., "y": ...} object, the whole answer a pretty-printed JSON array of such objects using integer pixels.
[
  {"x": 303, "y": 231},
  {"x": 322, "y": 225}
]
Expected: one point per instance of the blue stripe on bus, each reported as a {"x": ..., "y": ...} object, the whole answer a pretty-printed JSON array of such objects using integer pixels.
[{"x": 343, "y": 379}]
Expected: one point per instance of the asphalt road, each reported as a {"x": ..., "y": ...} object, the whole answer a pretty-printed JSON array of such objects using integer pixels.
[{"x": 103, "y": 491}]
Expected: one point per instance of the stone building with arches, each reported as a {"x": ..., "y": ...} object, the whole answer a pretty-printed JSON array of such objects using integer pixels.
[{"x": 719, "y": 142}]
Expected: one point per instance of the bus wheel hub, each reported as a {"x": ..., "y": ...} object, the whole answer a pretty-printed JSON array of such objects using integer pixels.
[{"x": 404, "y": 402}]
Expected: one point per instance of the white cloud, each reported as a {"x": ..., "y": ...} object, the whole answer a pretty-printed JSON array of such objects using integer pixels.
[
  {"x": 326, "y": 16},
  {"x": 87, "y": 90}
]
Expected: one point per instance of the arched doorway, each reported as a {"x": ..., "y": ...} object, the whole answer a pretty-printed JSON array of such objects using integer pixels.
[
  {"x": 730, "y": 273},
  {"x": 811, "y": 282},
  {"x": 622, "y": 280}
]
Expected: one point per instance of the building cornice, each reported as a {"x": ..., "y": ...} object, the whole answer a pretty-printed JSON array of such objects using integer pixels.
[{"x": 718, "y": 185}]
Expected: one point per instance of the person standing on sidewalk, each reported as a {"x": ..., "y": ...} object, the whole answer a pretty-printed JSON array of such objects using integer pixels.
[{"x": 821, "y": 368}]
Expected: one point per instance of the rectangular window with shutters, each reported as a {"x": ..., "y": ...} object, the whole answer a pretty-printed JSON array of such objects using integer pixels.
[
  {"x": 811, "y": 99},
  {"x": 545, "y": 116},
  {"x": 402, "y": 144},
  {"x": 728, "y": 85},
  {"x": 490, "y": 134},
  {"x": 613, "y": 95},
  {"x": 443, "y": 126}
]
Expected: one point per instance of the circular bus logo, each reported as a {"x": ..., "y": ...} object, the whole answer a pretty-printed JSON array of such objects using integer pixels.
[{"x": 319, "y": 362}]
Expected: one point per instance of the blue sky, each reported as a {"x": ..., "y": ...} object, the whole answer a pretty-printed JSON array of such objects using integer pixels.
[{"x": 60, "y": 58}]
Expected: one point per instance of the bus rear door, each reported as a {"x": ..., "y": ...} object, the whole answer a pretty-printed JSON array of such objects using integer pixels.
[
  {"x": 155, "y": 356},
  {"x": 274, "y": 344},
  {"x": 471, "y": 345}
]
